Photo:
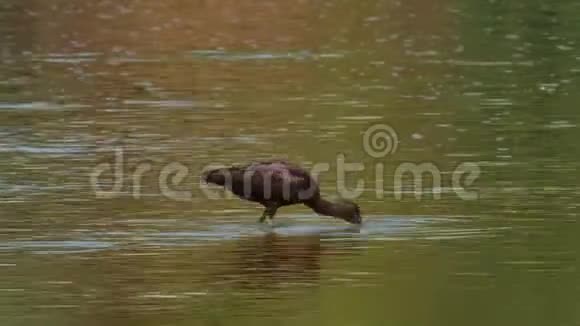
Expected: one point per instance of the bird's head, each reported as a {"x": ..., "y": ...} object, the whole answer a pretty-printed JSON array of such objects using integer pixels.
[
  {"x": 216, "y": 176},
  {"x": 349, "y": 211}
]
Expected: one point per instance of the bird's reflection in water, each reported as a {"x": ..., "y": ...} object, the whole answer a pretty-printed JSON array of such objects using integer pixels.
[{"x": 279, "y": 261}]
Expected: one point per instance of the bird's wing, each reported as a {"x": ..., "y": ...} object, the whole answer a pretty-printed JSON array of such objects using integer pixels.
[{"x": 287, "y": 182}]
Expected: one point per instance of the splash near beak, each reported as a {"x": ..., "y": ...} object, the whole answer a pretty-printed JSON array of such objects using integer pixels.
[{"x": 356, "y": 219}]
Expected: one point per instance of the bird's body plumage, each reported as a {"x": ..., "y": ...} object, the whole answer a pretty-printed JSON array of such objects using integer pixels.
[
  {"x": 278, "y": 183},
  {"x": 287, "y": 183}
]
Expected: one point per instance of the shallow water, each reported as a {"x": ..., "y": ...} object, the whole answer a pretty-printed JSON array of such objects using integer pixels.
[{"x": 136, "y": 88}]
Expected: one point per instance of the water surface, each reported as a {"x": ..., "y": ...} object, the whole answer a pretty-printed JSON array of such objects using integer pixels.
[{"x": 195, "y": 83}]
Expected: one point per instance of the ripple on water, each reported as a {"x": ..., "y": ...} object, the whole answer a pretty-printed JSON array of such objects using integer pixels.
[
  {"x": 560, "y": 124},
  {"x": 172, "y": 104},
  {"x": 55, "y": 247},
  {"x": 68, "y": 58},
  {"x": 475, "y": 63},
  {"x": 40, "y": 106},
  {"x": 376, "y": 228},
  {"x": 57, "y": 150},
  {"x": 241, "y": 56}
]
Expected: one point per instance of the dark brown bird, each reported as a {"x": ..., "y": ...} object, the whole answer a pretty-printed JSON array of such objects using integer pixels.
[{"x": 278, "y": 183}]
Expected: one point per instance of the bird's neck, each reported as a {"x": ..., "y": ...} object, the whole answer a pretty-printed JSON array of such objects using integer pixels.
[{"x": 325, "y": 207}]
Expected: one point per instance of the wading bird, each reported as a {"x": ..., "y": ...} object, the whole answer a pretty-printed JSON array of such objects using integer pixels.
[{"x": 278, "y": 183}]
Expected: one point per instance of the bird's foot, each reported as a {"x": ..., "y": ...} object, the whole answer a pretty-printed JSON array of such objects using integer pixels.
[{"x": 265, "y": 220}]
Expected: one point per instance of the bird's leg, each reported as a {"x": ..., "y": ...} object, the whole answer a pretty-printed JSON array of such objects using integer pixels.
[
  {"x": 263, "y": 217},
  {"x": 269, "y": 213}
]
